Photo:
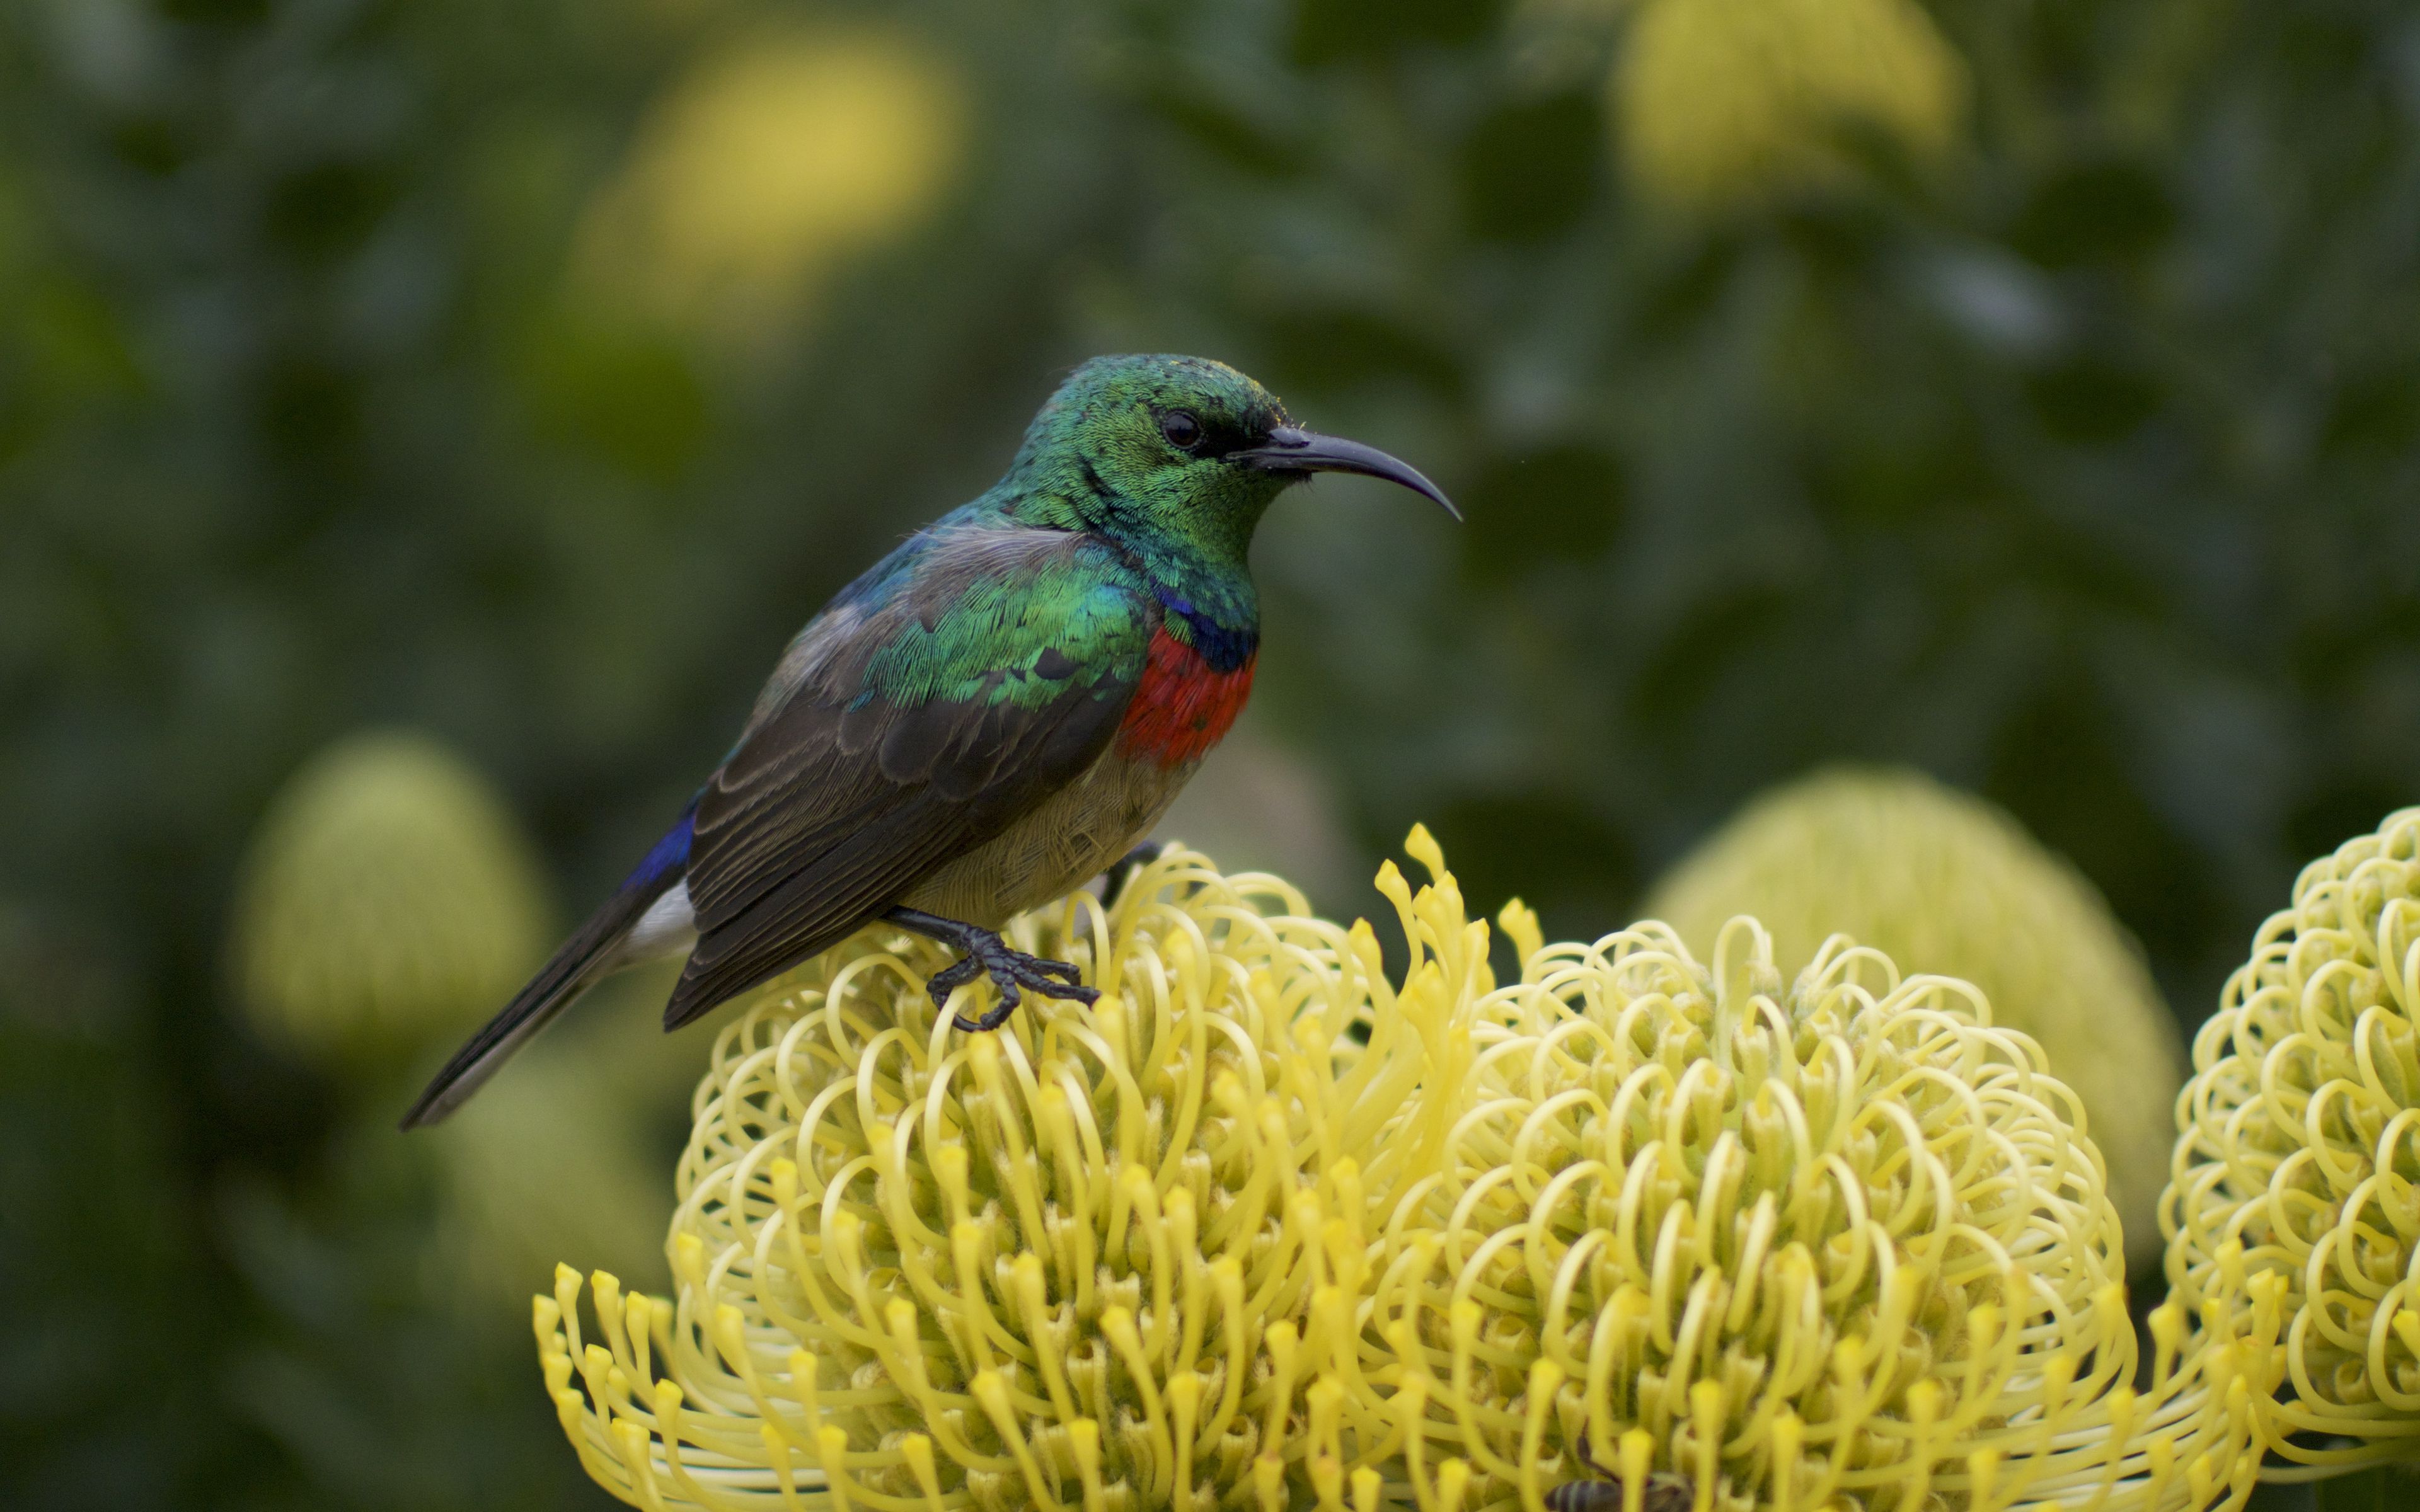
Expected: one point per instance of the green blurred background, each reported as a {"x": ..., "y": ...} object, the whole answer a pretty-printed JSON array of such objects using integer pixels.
[{"x": 2029, "y": 392}]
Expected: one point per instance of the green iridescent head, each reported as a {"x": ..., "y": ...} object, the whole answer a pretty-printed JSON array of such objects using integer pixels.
[{"x": 1176, "y": 453}]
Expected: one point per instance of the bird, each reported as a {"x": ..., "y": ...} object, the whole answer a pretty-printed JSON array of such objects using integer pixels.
[{"x": 991, "y": 715}]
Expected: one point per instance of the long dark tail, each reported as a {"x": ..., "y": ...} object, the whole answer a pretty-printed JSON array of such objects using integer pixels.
[{"x": 582, "y": 961}]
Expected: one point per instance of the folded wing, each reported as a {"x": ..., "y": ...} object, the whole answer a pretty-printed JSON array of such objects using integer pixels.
[{"x": 962, "y": 683}]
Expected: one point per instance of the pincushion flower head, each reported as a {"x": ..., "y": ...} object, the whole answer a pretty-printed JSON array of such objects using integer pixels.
[
  {"x": 1108, "y": 1257},
  {"x": 390, "y": 895},
  {"x": 2293, "y": 1220},
  {"x": 767, "y": 165},
  {"x": 1840, "y": 1245},
  {"x": 1942, "y": 882}
]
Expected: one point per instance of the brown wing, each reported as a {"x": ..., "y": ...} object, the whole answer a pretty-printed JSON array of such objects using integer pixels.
[{"x": 842, "y": 794}]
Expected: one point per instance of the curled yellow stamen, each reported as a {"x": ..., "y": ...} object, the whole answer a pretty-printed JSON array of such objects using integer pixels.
[
  {"x": 1112, "y": 1256},
  {"x": 2294, "y": 1221}
]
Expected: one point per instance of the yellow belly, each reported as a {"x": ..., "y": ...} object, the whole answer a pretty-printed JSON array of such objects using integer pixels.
[{"x": 1070, "y": 837}]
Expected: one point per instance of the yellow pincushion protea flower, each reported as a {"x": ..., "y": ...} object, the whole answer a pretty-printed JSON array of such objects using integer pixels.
[
  {"x": 767, "y": 162},
  {"x": 1941, "y": 881},
  {"x": 390, "y": 897},
  {"x": 1838, "y": 1247},
  {"x": 1725, "y": 100},
  {"x": 2294, "y": 1215},
  {"x": 1108, "y": 1256},
  {"x": 565, "y": 1163}
]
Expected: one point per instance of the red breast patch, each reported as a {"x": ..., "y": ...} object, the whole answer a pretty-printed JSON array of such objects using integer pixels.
[{"x": 1181, "y": 708}]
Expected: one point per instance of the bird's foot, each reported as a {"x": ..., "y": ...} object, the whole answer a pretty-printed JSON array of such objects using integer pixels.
[
  {"x": 1012, "y": 971},
  {"x": 1123, "y": 870}
]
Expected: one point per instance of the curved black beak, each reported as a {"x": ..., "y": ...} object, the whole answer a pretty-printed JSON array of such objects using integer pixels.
[{"x": 1291, "y": 449}]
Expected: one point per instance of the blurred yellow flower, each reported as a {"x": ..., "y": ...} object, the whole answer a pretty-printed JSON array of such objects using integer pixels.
[
  {"x": 2294, "y": 1216},
  {"x": 390, "y": 897},
  {"x": 563, "y": 1160},
  {"x": 1108, "y": 1256},
  {"x": 766, "y": 164},
  {"x": 1839, "y": 1246},
  {"x": 1942, "y": 882},
  {"x": 1723, "y": 101}
]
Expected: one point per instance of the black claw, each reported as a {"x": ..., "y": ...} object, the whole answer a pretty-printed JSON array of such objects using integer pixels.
[
  {"x": 991, "y": 1020},
  {"x": 958, "y": 973},
  {"x": 1012, "y": 972},
  {"x": 1051, "y": 979},
  {"x": 950, "y": 978}
]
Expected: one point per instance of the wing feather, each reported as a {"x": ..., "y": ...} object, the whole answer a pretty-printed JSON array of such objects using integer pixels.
[{"x": 922, "y": 717}]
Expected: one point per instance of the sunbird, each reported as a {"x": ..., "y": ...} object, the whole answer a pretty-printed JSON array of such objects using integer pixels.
[{"x": 993, "y": 714}]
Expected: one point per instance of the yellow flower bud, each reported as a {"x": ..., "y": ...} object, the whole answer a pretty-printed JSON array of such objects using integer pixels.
[
  {"x": 1723, "y": 101},
  {"x": 390, "y": 899},
  {"x": 765, "y": 166}
]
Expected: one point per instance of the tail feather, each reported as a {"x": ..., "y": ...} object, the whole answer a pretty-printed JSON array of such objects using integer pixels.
[{"x": 592, "y": 952}]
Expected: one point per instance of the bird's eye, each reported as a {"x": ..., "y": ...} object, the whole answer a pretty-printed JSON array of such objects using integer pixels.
[{"x": 1182, "y": 430}]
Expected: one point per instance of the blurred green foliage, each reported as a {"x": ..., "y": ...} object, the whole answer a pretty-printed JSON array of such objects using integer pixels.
[
  {"x": 2076, "y": 465},
  {"x": 2372, "y": 1491}
]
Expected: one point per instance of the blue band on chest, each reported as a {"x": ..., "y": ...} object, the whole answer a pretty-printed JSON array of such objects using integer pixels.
[{"x": 1225, "y": 649}]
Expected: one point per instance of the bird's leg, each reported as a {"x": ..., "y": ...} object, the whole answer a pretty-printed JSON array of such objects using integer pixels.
[
  {"x": 987, "y": 954},
  {"x": 1122, "y": 870}
]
